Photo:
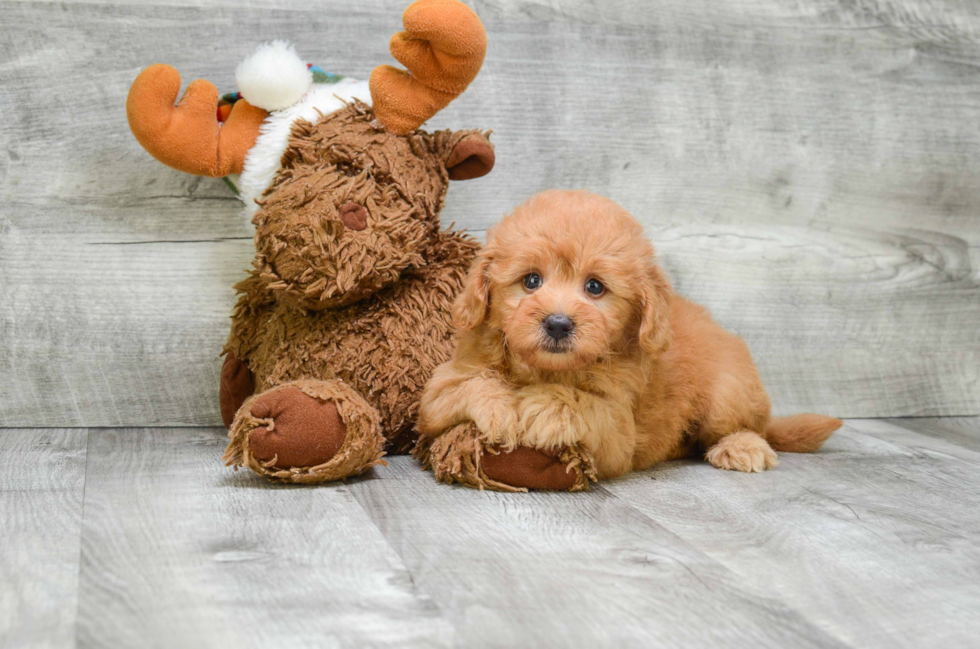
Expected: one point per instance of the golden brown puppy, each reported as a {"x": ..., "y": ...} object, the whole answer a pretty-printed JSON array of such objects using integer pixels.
[{"x": 572, "y": 337}]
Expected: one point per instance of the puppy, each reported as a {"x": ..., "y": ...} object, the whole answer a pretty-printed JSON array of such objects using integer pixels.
[{"x": 572, "y": 337}]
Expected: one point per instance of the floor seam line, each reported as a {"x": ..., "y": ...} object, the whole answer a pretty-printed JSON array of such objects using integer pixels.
[{"x": 418, "y": 589}]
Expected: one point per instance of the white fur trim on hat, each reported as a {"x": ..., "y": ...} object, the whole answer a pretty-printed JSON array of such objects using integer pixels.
[
  {"x": 273, "y": 77},
  {"x": 263, "y": 160}
]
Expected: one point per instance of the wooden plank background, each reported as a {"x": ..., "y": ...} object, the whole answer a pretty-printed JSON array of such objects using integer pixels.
[{"x": 807, "y": 169}]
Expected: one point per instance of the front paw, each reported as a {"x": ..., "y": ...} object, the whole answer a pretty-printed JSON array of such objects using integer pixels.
[
  {"x": 301, "y": 431},
  {"x": 548, "y": 418},
  {"x": 531, "y": 468},
  {"x": 462, "y": 455},
  {"x": 498, "y": 421},
  {"x": 307, "y": 431}
]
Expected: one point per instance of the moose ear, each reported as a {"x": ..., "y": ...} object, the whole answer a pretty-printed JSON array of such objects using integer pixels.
[{"x": 472, "y": 157}]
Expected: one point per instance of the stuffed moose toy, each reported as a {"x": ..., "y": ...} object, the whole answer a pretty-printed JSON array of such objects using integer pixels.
[
  {"x": 347, "y": 309},
  {"x": 346, "y": 312}
]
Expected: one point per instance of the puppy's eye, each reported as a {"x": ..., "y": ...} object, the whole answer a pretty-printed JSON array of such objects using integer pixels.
[
  {"x": 532, "y": 281},
  {"x": 594, "y": 287}
]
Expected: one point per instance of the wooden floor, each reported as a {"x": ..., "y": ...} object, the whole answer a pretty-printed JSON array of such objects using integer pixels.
[{"x": 123, "y": 537}]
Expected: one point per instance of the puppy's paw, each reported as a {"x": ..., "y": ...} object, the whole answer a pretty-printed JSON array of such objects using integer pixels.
[
  {"x": 548, "y": 417},
  {"x": 743, "y": 451},
  {"x": 497, "y": 421}
]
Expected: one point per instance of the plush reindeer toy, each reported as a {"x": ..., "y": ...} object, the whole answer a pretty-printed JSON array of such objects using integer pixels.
[{"x": 346, "y": 312}]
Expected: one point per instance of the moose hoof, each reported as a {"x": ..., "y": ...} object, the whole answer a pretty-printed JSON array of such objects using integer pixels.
[
  {"x": 459, "y": 455},
  {"x": 305, "y": 432},
  {"x": 530, "y": 468}
]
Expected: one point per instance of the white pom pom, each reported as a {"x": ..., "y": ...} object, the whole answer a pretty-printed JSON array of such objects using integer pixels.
[{"x": 274, "y": 77}]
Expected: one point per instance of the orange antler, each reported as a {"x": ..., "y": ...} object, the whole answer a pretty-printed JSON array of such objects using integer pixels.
[
  {"x": 188, "y": 136},
  {"x": 443, "y": 46}
]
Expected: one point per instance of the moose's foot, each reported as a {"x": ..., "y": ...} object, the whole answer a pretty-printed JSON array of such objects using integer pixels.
[
  {"x": 306, "y": 431},
  {"x": 461, "y": 455}
]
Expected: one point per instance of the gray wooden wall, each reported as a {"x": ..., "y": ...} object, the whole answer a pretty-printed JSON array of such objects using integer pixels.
[{"x": 809, "y": 169}]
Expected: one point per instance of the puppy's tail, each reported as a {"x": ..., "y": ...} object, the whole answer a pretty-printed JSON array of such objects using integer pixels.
[{"x": 802, "y": 433}]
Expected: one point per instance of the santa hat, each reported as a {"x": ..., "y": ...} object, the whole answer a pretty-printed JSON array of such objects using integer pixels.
[{"x": 275, "y": 79}]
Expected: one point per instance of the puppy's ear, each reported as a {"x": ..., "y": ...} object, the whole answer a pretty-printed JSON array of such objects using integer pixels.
[
  {"x": 470, "y": 308},
  {"x": 655, "y": 332}
]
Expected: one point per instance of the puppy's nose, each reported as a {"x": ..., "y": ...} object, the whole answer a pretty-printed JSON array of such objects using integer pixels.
[{"x": 558, "y": 326}]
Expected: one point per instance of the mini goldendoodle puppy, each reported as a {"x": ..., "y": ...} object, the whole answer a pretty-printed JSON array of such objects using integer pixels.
[{"x": 573, "y": 339}]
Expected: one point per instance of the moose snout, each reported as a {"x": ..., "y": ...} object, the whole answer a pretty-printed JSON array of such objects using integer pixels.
[
  {"x": 558, "y": 326},
  {"x": 353, "y": 215}
]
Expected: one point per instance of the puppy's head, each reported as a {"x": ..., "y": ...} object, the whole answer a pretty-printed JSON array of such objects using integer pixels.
[{"x": 568, "y": 278}]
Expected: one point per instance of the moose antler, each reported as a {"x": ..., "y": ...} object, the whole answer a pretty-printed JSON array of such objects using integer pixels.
[
  {"x": 188, "y": 136},
  {"x": 443, "y": 46}
]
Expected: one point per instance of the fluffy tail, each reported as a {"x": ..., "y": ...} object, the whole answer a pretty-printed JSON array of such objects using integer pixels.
[{"x": 803, "y": 433}]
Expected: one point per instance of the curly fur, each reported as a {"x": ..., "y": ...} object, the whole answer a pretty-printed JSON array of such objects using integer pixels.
[
  {"x": 305, "y": 252},
  {"x": 645, "y": 376}
]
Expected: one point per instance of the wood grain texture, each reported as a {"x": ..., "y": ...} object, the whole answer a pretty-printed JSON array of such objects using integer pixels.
[
  {"x": 42, "y": 479},
  {"x": 178, "y": 550},
  {"x": 962, "y": 431},
  {"x": 807, "y": 171},
  {"x": 872, "y": 542},
  {"x": 875, "y": 539},
  {"x": 547, "y": 569}
]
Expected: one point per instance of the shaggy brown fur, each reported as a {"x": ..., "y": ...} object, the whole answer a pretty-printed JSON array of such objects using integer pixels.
[
  {"x": 644, "y": 375},
  {"x": 350, "y": 297}
]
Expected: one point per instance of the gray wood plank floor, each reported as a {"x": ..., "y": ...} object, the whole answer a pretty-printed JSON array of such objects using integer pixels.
[
  {"x": 121, "y": 537},
  {"x": 42, "y": 482}
]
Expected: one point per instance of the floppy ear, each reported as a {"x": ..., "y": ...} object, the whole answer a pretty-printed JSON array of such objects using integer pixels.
[
  {"x": 655, "y": 332},
  {"x": 470, "y": 307}
]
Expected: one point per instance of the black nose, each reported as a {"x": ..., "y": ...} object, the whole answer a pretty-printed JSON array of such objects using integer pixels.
[{"x": 558, "y": 326}]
